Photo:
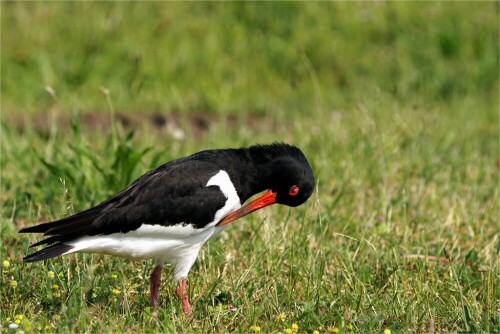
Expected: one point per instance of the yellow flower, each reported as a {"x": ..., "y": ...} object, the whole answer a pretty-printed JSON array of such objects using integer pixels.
[
  {"x": 349, "y": 327},
  {"x": 333, "y": 330},
  {"x": 255, "y": 329},
  {"x": 282, "y": 316},
  {"x": 113, "y": 276},
  {"x": 19, "y": 316},
  {"x": 115, "y": 291},
  {"x": 55, "y": 287},
  {"x": 315, "y": 332},
  {"x": 288, "y": 331},
  {"x": 387, "y": 331},
  {"x": 18, "y": 321},
  {"x": 13, "y": 283},
  {"x": 51, "y": 274},
  {"x": 6, "y": 264},
  {"x": 295, "y": 327}
]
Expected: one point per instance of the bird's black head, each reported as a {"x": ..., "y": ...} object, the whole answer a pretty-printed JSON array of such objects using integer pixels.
[
  {"x": 286, "y": 174},
  {"x": 292, "y": 180}
]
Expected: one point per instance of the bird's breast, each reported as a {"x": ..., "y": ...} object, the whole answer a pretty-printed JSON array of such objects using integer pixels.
[{"x": 226, "y": 186}]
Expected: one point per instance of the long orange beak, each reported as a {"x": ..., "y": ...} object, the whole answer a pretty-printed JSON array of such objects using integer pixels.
[{"x": 265, "y": 200}]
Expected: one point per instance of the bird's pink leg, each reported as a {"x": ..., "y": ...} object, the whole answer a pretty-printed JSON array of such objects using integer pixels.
[
  {"x": 154, "y": 285},
  {"x": 181, "y": 293}
]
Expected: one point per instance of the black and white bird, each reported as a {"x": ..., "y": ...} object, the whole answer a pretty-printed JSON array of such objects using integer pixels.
[{"x": 170, "y": 212}]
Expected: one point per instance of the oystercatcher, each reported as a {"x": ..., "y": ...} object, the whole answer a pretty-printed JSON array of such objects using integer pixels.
[{"x": 170, "y": 212}]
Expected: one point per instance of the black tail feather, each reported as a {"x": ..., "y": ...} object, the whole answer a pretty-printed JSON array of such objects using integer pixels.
[
  {"x": 58, "y": 232},
  {"x": 35, "y": 229},
  {"x": 52, "y": 227},
  {"x": 47, "y": 253},
  {"x": 47, "y": 241}
]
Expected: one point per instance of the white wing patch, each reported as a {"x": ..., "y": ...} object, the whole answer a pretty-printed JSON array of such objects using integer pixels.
[{"x": 222, "y": 180}]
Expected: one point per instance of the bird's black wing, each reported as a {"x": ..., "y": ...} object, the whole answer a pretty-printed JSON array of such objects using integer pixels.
[{"x": 174, "y": 193}]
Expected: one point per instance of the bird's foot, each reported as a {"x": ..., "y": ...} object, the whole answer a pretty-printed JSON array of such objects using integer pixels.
[{"x": 181, "y": 293}]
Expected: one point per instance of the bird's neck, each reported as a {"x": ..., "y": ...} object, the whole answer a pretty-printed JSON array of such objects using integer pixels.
[
  {"x": 249, "y": 169},
  {"x": 246, "y": 170},
  {"x": 259, "y": 162}
]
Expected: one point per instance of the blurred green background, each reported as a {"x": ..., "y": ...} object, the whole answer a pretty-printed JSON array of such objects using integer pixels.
[
  {"x": 246, "y": 57},
  {"x": 395, "y": 104}
]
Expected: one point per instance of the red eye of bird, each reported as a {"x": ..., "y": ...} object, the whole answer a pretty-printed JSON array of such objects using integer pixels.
[{"x": 294, "y": 190}]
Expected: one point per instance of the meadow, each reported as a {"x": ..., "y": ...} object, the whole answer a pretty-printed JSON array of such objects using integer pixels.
[{"x": 395, "y": 104}]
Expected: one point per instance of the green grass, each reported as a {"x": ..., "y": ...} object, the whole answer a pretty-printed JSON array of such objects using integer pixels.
[{"x": 394, "y": 104}]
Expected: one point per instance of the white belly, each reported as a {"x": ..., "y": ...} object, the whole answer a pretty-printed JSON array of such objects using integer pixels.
[{"x": 147, "y": 242}]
